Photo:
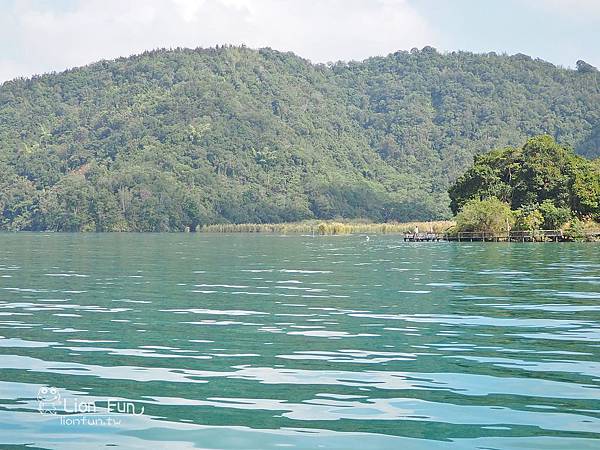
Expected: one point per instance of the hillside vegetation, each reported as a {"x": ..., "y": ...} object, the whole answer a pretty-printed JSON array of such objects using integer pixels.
[{"x": 182, "y": 138}]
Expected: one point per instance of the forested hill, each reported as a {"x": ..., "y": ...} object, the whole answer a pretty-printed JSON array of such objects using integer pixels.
[{"x": 179, "y": 138}]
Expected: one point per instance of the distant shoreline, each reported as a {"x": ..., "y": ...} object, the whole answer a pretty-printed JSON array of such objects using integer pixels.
[
  {"x": 441, "y": 230},
  {"x": 438, "y": 230},
  {"x": 331, "y": 227}
]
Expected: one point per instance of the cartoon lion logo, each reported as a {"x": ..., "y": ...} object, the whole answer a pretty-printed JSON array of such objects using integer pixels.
[{"x": 48, "y": 399}]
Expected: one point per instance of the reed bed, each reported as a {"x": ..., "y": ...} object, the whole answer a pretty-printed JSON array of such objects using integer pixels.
[{"x": 330, "y": 227}]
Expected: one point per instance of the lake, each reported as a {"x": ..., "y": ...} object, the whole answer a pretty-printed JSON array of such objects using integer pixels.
[{"x": 262, "y": 342}]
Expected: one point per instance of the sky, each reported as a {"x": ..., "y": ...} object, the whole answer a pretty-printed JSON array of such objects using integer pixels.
[{"x": 38, "y": 36}]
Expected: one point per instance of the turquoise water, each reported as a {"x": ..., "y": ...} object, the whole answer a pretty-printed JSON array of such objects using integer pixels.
[{"x": 264, "y": 342}]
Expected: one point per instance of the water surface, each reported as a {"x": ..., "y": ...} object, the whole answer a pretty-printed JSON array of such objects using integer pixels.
[{"x": 264, "y": 342}]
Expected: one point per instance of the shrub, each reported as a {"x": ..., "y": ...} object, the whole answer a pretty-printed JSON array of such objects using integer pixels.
[
  {"x": 490, "y": 216},
  {"x": 528, "y": 218},
  {"x": 575, "y": 231}
]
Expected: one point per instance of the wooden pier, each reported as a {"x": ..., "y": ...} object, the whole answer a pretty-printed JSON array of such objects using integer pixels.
[
  {"x": 513, "y": 236},
  {"x": 423, "y": 237}
]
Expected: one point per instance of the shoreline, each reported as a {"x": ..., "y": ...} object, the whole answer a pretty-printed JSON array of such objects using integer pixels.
[
  {"x": 331, "y": 228},
  {"x": 441, "y": 230}
]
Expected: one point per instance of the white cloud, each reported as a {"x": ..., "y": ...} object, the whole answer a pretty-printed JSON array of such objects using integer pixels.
[
  {"x": 50, "y": 38},
  {"x": 578, "y": 8}
]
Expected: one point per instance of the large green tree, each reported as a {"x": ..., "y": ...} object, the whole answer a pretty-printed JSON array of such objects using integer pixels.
[{"x": 541, "y": 171}]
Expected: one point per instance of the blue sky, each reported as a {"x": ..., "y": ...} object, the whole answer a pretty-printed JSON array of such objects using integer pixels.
[{"x": 38, "y": 36}]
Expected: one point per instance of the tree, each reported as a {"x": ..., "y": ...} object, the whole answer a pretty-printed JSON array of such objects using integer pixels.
[
  {"x": 584, "y": 67},
  {"x": 528, "y": 218},
  {"x": 585, "y": 198},
  {"x": 65, "y": 207},
  {"x": 554, "y": 218},
  {"x": 480, "y": 182},
  {"x": 541, "y": 171},
  {"x": 18, "y": 203}
]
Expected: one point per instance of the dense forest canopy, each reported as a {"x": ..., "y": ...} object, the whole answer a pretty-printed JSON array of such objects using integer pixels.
[
  {"x": 171, "y": 139},
  {"x": 544, "y": 183},
  {"x": 529, "y": 175}
]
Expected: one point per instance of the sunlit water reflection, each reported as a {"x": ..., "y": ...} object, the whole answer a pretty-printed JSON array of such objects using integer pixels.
[{"x": 258, "y": 342}]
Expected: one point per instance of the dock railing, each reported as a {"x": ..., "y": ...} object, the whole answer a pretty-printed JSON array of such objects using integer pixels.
[
  {"x": 592, "y": 234},
  {"x": 479, "y": 236},
  {"x": 512, "y": 236},
  {"x": 536, "y": 235}
]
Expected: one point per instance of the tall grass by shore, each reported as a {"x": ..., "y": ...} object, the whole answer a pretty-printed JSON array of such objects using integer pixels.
[{"x": 330, "y": 227}]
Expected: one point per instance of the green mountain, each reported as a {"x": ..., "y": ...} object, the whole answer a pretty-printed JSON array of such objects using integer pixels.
[{"x": 171, "y": 139}]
